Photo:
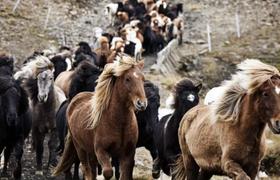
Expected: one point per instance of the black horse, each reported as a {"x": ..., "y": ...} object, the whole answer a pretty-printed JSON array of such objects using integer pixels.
[
  {"x": 166, "y": 133},
  {"x": 83, "y": 79},
  {"x": 15, "y": 118},
  {"x": 147, "y": 121}
]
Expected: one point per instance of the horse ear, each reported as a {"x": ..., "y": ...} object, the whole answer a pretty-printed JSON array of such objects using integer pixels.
[
  {"x": 141, "y": 64},
  {"x": 198, "y": 86}
]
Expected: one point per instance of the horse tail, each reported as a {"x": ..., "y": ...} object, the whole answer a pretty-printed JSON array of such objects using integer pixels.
[
  {"x": 179, "y": 170},
  {"x": 68, "y": 158}
]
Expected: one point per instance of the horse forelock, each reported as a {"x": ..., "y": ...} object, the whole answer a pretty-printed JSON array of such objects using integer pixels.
[
  {"x": 103, "y": 91},
  {"x": 250, "y": 76}
]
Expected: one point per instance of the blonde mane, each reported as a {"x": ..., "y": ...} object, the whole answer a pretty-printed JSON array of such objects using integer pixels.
[
  {"x": 250, "y": 76},
  {"x": 104, "y": 88}
]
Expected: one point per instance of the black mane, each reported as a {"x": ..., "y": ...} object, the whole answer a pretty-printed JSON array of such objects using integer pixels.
[{"x": 84, "y": 78}]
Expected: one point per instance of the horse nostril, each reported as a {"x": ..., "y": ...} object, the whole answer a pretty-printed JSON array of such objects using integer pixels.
[{"x": 141, "y": 105}]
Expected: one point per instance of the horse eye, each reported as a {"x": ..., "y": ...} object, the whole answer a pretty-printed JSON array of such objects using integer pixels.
[
  {"x": 265, "y": 94},
  {"x": 127, "y": 79}
]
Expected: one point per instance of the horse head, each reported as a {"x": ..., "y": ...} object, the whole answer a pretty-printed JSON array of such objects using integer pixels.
[
  {"x": 150, "y": 116},
  {"x": 133, "y": 86},
  {"x": 186, "y": 94},
  {"x": 45, "y": 84},
  {"x": 268, "y": 102}
]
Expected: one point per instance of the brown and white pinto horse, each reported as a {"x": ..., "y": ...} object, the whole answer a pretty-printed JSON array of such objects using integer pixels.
[
  {"x": 227, "y": 137},
  {"x": 103, "y": 124}
]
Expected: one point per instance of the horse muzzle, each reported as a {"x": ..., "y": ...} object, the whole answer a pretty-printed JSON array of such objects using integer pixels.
[
  {"x": 274, "y": 126},
  {"x": 141, "y": 105},
  {"x": 42, "y": 98}
]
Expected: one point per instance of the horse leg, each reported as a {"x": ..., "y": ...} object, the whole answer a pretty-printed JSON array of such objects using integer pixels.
[
  {"x": 253, "y": 170},
  {"x": 76, "y": 170},
  {"x": 156, "y": 161},
  {"x": 192, "y": 169},
  {"x": 16, "y": 158},
  {"x": 127, "y": 164},
  {"x": 233, "y": 169},
  {"x": 53, "y": 142},
  {"x": 104, "y": 160},
  {"x": 39, "y": 145},
  {"x": 204, "y": 175},
  {"x": 7, "y": 154},
  {"x": 116, "y": 164},
  {"x": 86, "y": 166}
]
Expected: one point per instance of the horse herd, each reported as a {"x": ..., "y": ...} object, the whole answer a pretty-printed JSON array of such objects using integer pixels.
[
  {"x": 98, "y": 108},
  {"x": 108, "y": 113}
]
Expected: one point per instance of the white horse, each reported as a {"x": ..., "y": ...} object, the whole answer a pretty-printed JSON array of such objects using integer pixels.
[{"x": 110, "y": 11}]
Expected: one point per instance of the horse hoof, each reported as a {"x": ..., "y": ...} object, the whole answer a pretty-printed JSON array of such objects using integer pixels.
[
  {"x": 108, "y": 173},
  {"x": 39, "y": 173}
]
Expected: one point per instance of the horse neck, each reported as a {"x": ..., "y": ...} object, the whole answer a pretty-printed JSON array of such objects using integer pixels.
[
  {"x": 250, "y": 119},
  {"x": 119, "y": 105},
  {"x": 177, "y": 115}
]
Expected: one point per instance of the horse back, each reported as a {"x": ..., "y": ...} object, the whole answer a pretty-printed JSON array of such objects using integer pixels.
[{"x": 63, "y": 81}]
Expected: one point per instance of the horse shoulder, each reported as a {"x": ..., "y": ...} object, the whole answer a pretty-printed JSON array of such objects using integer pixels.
[{"x": 78, "y": 101}]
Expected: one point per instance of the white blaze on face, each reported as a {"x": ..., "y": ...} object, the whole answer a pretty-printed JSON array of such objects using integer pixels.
[
  {"x": 277, "y": 90},
  {"x": 135, "y": 75},
  {"x": 191, "y": 97}
]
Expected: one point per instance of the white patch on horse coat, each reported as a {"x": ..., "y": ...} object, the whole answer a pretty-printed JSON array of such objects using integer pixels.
[
  {"x": 135, "y": 75},
  {"x": 277, "y": 90},
  {"x": 191, "y": 97},
  {"x": 69, "y": 64},
  {"x": 166, "y": 123},
  {"x": 170, "y": 101}
]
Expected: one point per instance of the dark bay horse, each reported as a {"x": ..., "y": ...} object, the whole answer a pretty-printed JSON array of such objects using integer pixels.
[
  {"x": 146, "y": 121},
  {"x": 103, "y": 124},
  {"x": 45, "y": 100},
  {"x": 185, "y": 97},
  {"x": 15, "y": 119},
  {"x": 227, "y": 137}
]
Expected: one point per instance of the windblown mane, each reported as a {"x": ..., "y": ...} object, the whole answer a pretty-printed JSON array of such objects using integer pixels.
[
  {"x": 251, "y": 75},
  {"x": 33, "y": 68},
  {"x": 105, "y": 84}
]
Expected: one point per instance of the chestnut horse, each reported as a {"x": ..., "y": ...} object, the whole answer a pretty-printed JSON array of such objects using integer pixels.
[
  {"x": 227, "y": 137},
  {"x": 103, "y": 125}
]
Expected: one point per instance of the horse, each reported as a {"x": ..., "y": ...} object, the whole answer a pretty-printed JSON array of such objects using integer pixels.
[
  {"x": 63, "y": 80},
  {"x": 146, "y": 121},
  {"x": 103, "y": 124},
  {"x": 83, "y": 79},
  {"x": 185, "y": 95},
  {"x": 15, "y": 119},
  {"x": 45, "y": 100},
  {"x": 227, "y": 137}
]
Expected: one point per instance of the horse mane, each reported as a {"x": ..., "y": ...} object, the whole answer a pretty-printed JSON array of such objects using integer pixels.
[
  {"x": 33, "y": 68},
  {"x": 250, "y": 76},
  {"x": 104, "y": 88}
]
